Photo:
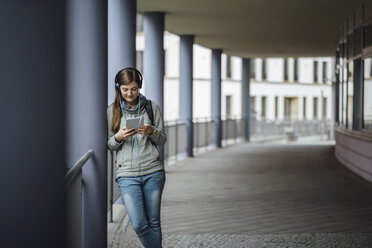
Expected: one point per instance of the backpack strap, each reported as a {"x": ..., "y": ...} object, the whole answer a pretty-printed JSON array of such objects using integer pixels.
[{"x": 150, "y": 113}]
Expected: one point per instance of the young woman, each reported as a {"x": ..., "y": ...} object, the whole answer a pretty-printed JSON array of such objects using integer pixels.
[{"x": 140, "y": 173}]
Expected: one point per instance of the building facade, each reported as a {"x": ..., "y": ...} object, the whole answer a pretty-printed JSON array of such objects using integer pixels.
[
  {"x": 281, "y": 88},
  {"x": 353, "y": 92}
]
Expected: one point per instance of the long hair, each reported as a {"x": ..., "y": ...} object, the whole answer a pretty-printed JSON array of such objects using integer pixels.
[{"x": 123, "y": 77}]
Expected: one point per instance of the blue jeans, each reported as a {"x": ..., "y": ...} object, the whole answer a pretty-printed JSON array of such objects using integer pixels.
[{"x": 142, "y": 198}]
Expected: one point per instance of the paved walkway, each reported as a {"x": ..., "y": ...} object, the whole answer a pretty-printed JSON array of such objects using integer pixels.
[{"x": 261, "y": 195}]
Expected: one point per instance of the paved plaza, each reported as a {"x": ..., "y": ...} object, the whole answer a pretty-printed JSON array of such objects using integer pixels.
[{"x": 261, "y": 195}]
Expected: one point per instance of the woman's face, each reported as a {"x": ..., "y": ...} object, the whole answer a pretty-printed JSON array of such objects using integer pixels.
[{"x": 130, "y": 92}]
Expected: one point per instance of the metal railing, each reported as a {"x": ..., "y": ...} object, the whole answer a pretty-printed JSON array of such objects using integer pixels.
[
  {"x": 113, "y": 192},
  {"x": 73, "y": 186},
  {"x": 367, "y": 122},
  {"x": 233, "y": 131},
  {"x": 281, "y": 129}
]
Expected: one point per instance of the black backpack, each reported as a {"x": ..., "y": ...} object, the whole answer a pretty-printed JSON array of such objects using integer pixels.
[{"x": 150, "y": 113}]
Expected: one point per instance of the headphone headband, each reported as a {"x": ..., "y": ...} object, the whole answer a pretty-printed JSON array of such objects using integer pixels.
[{"x": 130, "y": 68}]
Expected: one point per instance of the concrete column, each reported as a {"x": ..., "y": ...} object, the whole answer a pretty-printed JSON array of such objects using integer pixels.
[
  {"x": 246, "y": 95},
  {"x": 358, "y": 95},
  {"x": 216, "y": 95},
  {"x": 32, "y": 106},
  {"x": 186, "y": 88},
  {"x": 121, "y": 39},
  {"x": 86, "y": 111},
  {"x": 153, "y": 28}
]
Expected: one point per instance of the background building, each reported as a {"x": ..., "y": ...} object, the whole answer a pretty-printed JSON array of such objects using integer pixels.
[{"x": 281, "y": 88}]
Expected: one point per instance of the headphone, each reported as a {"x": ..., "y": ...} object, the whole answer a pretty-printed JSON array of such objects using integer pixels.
[{"x": 129, "y": 68}]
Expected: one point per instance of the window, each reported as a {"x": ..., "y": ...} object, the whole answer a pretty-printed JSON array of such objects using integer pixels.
[
  {"x": 315, "y": 71},
  {"x": 367, "y": 99},
  {"x": 263, "y": 107},
  {"x": 263, "y": 69},
  {"x": 344, "y": 95},
  {"x": 368, "y": 35},
  {"x": 337, "y": 88},
  {"x": 295, "y": 70},
  {"x": 253, "y": 106},
  {"x": 340, "y": 88},
  {"x": 285, "y": 69},
  {"x": 253, "y": 68},
  {"x": 324, "y": 112},
  {"x": 291, "y": 108},
  {"x": 357, "y": 41},
  {"x": 324, "y": 74},
  {"x": 139, "y": 61},
  {"x": 276, "y": 107},
  {"x": 304, "y": 108},
  {"x": 349, "y": 48},
  {"x": 228, "y": 106},
  {"x": 228, "y": 66},
  {"x": 350, "y": 95},
  {"x": 315, "y": 108},
  {"x": 139, "y": 25}
]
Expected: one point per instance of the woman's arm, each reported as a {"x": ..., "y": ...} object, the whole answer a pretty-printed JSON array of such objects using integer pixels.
[
  {"x": 112, "y": 143},
  {"x": 159, "y": 136}
]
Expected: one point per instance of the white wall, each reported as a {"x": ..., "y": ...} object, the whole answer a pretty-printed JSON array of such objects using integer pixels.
[
  {"x": 305, "y": 67},
  {"x": 202, "y": 62},
  {"x": 258, "y": 69},
  {"x": 202, "y": 98},
  {"x": 291, "y": 69},
  {"x": 282, "y": 90},
  {"x": 353, "y": 150},
  {"x": 236, "y": 68},
  {"x": 172, "y": 59},
  {"x": 234, "y": 89},
  {"x": 275, "y": 70}
]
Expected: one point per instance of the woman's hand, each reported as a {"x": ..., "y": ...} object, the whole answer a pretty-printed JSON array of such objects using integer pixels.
[
  {"x": 146, "y": 130},
  {"x": 125, "y": 133}
]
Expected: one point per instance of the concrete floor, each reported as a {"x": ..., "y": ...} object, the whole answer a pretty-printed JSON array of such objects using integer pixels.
[{"x": 262, "y": 195}]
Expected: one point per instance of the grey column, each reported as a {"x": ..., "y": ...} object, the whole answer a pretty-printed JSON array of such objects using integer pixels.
[
  {"x": 216, "y": 95},
  {"x": 186, "y": 88},
  {"x": 246, "y": 96},
  {"x": 86, "y": 111},
  {"x": 32, "y": 108},
  {"x": 358, "y": 95},
  {"x": 121, "y": 39},
  {"x": 153, "y": 28}
]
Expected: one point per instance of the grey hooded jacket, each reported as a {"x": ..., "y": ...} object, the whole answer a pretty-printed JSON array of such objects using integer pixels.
[{"x": 142, "y": 157}]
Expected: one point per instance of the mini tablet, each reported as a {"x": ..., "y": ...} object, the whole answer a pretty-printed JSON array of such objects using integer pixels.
[{"x": 135, "y": 122}]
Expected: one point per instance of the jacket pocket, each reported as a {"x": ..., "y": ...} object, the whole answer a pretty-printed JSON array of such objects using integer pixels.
[{"x": 155, "y": 150}]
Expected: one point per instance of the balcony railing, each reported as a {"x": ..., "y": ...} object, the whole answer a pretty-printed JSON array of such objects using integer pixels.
[
  {"x": 233, "y": 131},
  {"x": 73, "y": 185}
]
